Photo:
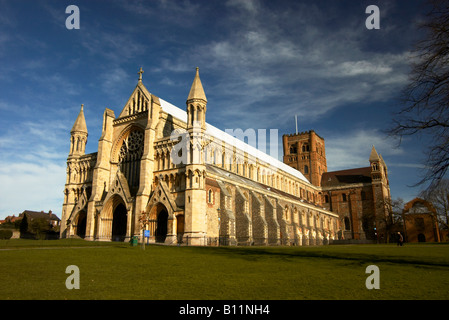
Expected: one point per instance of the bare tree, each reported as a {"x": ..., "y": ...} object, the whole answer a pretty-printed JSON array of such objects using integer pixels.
[
  {"x": 391, "y": 218},
  {"x": 426, "y": 97},
  {"x": 387, "y": 220},
  {"x": 439, "y": 197}
]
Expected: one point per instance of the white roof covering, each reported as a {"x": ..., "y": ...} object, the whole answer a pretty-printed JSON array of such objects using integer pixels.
[{"x": 233, "y": 141}]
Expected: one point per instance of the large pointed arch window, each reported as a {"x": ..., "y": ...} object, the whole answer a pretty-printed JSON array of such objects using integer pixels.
[{"x": 129, "y": 159}]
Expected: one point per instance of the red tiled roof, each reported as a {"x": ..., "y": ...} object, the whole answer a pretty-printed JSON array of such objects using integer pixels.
[{"x": 38, "y": 215}]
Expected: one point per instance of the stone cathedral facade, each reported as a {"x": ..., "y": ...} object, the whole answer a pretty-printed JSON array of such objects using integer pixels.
[{"x": 165, "y": 169}]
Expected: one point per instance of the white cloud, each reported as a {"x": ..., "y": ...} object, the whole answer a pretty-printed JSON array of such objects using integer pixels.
[
  {"x": 408, "y": 165},
  {"x": 351, "y": 68},
  {"x": 250, "y": 6},
  {"x": 32, "y": 167},
  {"x": 51, "y": 83},
  {"x": 352, "y": 149},
  {"x": 180, "y": 12},
  {"x": 112, "y": 49},
  {"x": 113, "y": 80},
  {"x": 31, "y": 186},
  {"x": 309, "y": 69},
  {"x": 269, "y": 63}
]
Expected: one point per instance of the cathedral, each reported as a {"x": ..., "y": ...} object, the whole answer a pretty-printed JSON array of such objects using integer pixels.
[{"x": 164, "y": 173}]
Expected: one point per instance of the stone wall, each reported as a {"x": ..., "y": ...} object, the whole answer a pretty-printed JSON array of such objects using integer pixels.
[{"x": 251, "y": 217}]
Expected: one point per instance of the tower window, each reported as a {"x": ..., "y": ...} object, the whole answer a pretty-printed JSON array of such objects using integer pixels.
[
  {"x": 347, "y": 224},
  {"x": 306, "y": 169},
  {"x": 344, "y": 197},
  {"x": 210, "y": 196}
]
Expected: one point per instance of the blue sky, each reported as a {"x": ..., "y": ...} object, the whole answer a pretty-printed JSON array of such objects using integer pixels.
[{"x": 261, "y": 62}]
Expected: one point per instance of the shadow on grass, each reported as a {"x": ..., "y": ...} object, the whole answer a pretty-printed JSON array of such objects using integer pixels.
[
  {"x": 432, "y": 255},
  {"x": 357, "y": 255}
]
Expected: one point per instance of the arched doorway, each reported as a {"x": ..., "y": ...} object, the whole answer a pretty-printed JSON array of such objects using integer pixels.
[
  {"x": 161, "y": 225},
  {"x": 81, "y": 224},
  {"x": 119, "y": 223},
  {"x": 421, "y": 238}
]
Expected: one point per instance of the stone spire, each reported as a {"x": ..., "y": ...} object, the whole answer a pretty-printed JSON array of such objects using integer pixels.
[
  {"x": 197, "y": 91},
  {"x": 80, "y": 122},
  {"x": 196, "y": 105},
  {"x": 78, "y": 135},
  {"x": 374, "y": 156}
]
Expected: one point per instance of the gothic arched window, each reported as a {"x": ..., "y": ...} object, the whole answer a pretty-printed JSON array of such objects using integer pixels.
[{"x": 129, "y": 159}]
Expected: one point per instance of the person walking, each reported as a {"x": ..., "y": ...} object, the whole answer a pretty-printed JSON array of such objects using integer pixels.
[{"x": 400, "y": 239}]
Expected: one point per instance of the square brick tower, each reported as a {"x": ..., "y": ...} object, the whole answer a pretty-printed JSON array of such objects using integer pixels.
[{"x": 306, "y": 152}]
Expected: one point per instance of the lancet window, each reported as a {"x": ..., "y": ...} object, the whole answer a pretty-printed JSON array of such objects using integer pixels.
[{"x": 129, "y": 159}]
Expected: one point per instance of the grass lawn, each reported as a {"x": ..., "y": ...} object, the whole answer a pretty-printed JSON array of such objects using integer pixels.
[{"x": 36, "y": 270}]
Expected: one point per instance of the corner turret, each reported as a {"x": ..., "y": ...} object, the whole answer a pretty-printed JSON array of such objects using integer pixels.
[
  {"x": 196, "y": 104},
  {"x": 78, "y": 139}
]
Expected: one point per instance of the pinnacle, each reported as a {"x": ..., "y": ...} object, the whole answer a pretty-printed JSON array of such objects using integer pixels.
[
  {"x": 374, "y": 156},
  {"x": 80, "y": 122},
  {"x": 197, "y": 91}
]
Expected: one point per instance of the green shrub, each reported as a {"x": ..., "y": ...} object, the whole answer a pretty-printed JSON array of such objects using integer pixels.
[{"x": 5, "y": 234}]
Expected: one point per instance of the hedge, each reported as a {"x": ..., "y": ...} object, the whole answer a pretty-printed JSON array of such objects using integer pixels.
[{"x": 5, "y": 234}]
